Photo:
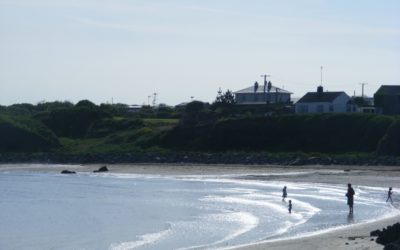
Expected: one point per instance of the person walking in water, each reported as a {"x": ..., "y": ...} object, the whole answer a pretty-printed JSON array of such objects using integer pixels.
[
  {"x": 350, "y": 198},
  {"x": 290, "y": 206},
  {"x": 284, "y": 193},
  {"x": 390, "y": 192}
]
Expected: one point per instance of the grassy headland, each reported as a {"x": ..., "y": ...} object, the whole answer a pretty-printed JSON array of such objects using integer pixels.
[{"x": 198, "y": 133}]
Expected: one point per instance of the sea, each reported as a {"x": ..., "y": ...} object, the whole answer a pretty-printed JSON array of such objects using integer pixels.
[{"x": 129, "y": 211}]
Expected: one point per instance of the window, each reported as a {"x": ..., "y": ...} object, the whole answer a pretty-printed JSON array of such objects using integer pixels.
[
  {"x": 331, "y": 108},
  {"x": 320, "y": 108}
]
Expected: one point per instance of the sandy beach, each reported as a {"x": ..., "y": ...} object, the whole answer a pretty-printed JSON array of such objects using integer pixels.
[{"x": 354, "y": 236}]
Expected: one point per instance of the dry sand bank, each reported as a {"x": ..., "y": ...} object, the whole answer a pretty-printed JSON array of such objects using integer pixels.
[
  {"x": 348, "y": 238},
  {"x": 351, "y": 237}
]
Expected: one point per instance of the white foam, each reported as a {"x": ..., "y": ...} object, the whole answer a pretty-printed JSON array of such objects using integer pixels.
[
  {"x": 238, "y": 200},
  {"x": 144, "y": 240},
  {"x": 393, "y": 213},
  {"x": 246, "y": 220}
]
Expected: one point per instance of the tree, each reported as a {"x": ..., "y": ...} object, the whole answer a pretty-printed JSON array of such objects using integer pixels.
[
  {"x": 360, "y": 101},
  {"x": 72, "y": 122},
  {"x": 85, "y": 103},
  {"x": 20, "y": 109},
  {"x": 164, "y": 111},
  {"x": 226, "y": 99},
  {"x": 118, "y": 109},
  {"x": 196, "y": 112},
  {"x": 224, "y": 104},
  {"x": 50, "y": 106},
  {"x": 147, "y": 111}
]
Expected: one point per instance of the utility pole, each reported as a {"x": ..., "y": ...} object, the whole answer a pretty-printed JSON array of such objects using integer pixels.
[
  {"x": 321, "y": 74},
  {"x": 265, "y": 78},
  {"x": 265, "y": 86},
  {"x": 148, "y": 100},
  {"x": 362, "y": 88},
  {"x": 154, "y": 99}
]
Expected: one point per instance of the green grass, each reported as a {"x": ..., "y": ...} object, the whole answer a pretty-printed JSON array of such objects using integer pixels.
[
  {"x": 92, "y": 146},
  {"x": 156, "y": 121}
]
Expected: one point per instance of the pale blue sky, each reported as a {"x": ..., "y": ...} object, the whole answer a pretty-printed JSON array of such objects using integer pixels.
[{"x": 129, "y": 49}]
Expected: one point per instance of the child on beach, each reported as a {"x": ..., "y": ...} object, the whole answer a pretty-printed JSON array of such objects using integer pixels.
[
  {"x": 390, "y": 192},
  {"x": 290, "y": 206},
  {"x": 284, "y": 193}
]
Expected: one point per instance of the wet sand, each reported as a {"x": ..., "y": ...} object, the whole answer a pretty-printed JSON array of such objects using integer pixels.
[{"x": 351, "y": 237}]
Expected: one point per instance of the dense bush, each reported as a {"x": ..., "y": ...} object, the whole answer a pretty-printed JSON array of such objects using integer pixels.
[
  {"x": 329, "y": 133},
  {"x": 390, "y": 143},
  {"x": 72, "y": 122},
  {"x": 23, "y": 134},
  {"x": 195, "y": 113}
]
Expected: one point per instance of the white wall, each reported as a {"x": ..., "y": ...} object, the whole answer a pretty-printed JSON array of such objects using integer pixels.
[{"x": 243, "y": 98}]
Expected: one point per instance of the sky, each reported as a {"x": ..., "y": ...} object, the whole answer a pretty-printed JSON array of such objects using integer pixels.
[{"x": 126, "y": 50}]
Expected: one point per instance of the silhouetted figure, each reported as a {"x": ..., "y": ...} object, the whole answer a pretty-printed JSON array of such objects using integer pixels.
[
  {"x": 390, "y": 192},
  {"x": 350, "y": 197},
  {"x": 290, "y": 206},
  {"x": 284, "y": 193}
]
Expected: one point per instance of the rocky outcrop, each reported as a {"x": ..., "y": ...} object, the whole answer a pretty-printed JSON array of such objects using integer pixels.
[
  {"x": 389, "y": 237},
  {"x": 101, "y": 169},
  {"x": 68, "y": 172}
]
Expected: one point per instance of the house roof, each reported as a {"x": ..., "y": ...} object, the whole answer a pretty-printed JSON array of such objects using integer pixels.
[
  {"x": 388, "y": 90},
  {"x": 319, "y": 97},
  {"x": 260, "y": 89}
]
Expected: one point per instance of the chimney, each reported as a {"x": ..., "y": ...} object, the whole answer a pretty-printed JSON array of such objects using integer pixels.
[{"x": 320, "y": 90}]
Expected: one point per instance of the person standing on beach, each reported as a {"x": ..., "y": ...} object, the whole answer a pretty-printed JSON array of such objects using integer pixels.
[
  {"x": 390, "y": 192},
  {"x": 290, "y": 206},
  {"x": 284, "y": 193},
  {"x": 350, "y": 197}
]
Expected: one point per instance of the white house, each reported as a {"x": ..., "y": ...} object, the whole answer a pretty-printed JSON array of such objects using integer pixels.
[
  {"x": 259, "y": 95},
  {"x": 134, "y": 108},
  {"x": 323, "y": 102}
]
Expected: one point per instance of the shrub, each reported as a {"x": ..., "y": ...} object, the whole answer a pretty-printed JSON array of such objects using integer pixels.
[
  {"x": 72, "y": 122},
  {"x": 104, "y": 127}
]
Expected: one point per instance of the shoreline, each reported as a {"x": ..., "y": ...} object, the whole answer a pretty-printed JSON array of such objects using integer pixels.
[
  {"x": 211, "y": 158},
  {"x": 356, "y": 236}
]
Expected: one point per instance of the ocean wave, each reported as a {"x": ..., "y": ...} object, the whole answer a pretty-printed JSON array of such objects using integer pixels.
[
  {"x": 143, "y": 240},
  {"x": 279, "y": 208}
]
